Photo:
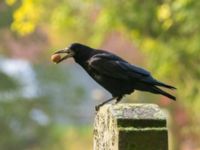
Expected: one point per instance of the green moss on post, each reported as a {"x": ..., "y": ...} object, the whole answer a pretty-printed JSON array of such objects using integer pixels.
[{"x": 130, "y": 127}]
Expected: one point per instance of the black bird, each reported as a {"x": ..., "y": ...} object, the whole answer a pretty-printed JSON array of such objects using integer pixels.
[{"x": 114, "y": 73}]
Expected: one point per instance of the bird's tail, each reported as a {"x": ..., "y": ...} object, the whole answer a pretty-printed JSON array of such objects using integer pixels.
[
  {"x": 159, "y": 91},
  {"x": 158, "y": 83}
]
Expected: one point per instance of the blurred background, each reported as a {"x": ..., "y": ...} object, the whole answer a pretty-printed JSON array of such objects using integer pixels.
[{"x": 44, "y": 106}]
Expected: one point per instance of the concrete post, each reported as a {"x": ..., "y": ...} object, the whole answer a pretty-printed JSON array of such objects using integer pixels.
[{"x": 130, "y": 127}]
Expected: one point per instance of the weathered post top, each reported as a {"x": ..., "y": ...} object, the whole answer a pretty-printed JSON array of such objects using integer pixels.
[{"x": 130, "y": 127}]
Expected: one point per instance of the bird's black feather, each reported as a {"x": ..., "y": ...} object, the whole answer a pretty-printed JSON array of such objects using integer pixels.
[
  {"x": 115, "y": 67},
  {"x": 115, "y": 74}
]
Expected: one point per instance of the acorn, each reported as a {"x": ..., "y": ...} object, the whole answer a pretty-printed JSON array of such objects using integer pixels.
[{"x": 55, "y": 58}]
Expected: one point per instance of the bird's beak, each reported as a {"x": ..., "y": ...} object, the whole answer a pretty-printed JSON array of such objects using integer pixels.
[{"x": 66, "y": 51}]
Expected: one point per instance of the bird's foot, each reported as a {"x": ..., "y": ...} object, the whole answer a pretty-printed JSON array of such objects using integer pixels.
[
  {"x": 97, "y": 107},
  {"x": 118, "y": 99}
]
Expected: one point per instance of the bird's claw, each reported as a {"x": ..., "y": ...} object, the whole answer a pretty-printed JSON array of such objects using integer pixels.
[{"x": 97, "y": 107}]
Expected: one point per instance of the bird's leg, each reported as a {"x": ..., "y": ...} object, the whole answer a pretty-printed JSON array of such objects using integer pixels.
[
  {"x": 118, "y": 99},
  {"x": 98, "y": 106}
]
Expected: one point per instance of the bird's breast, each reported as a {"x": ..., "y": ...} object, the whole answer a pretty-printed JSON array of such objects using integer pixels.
[{"x": 115, "y": 86}]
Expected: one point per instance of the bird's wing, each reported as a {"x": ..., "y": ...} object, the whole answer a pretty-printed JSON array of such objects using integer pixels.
[{"x": 115, "y": 67}]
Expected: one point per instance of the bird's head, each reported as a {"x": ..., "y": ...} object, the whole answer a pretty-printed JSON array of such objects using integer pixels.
[{"x": 76, "y": 50}]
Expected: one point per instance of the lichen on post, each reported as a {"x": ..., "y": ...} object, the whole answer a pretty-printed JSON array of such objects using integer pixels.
[{"x": 130, "y": 127}]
